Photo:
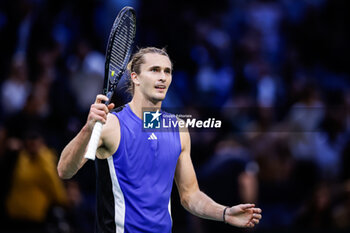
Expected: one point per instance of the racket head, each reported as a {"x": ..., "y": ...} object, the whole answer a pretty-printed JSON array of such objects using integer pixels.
[{"x": 119, "y": 48}]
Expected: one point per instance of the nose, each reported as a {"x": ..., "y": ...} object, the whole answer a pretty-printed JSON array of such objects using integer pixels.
[{"x": 162, "y": 77}]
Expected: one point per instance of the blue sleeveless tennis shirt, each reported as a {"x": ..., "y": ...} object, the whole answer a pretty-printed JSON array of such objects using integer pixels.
[{"x": 134, "y": 185}]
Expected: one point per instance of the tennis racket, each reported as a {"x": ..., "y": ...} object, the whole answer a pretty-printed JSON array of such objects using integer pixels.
[{"x": 118, "y": 53}]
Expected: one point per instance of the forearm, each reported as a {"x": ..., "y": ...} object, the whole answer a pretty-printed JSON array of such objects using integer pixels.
[
  {"x": 72, "y": 156},
  {"x": 199, "y": 204}
]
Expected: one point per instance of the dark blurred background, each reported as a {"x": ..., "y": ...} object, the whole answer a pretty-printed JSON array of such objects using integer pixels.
[{"x": 275, "y": 71}]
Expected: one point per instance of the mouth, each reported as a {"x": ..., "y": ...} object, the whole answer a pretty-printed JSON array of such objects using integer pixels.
[{"x": 160, "y": 87}]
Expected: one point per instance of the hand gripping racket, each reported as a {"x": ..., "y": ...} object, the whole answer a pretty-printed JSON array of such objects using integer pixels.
[{"x": 118, "y": 53}]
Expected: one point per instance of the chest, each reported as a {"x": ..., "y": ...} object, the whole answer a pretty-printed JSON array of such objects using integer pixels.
[{"x": 148, "y": 153}]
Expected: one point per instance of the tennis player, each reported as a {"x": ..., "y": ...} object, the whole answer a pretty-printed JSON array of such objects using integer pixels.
[{"x": 135, "y": 168}]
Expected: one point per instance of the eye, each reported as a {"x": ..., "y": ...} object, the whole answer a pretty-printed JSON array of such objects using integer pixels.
[{"x": 154, "y": 69}]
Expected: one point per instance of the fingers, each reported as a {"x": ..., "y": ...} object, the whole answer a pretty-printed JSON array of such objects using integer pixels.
[
  {"x": 257, "y": 210},
  {"x": 100, "y": 98},
  {"x": 253, "y": 222},
  {"x": 99, "y": 111},
  {"x": 246, "y": 206},
  {"x": 257, "y": 216},
  {"x": 110, "y": 106},
  {"x": 99, "y": 107}
]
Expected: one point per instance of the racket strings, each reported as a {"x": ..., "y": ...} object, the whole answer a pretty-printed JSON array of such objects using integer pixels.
[{"x": 122, "y": 41}]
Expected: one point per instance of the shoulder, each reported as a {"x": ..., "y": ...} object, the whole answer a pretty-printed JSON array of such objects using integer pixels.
[
  {"x": 110, "y": 137},
  {"x": 112, "y": 122}
]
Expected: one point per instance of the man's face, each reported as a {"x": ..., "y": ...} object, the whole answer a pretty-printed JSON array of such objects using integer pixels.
[{"x": 155, "y": 76}]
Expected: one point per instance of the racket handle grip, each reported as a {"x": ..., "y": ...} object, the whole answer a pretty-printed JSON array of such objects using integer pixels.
[{"x": 93, "y": 143}]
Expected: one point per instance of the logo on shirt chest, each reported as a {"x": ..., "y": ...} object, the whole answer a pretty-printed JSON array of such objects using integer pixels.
[{"x": 152, "y": 137}]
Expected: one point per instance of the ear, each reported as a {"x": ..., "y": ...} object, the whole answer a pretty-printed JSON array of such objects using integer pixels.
[{"x": 135, "y": 78}]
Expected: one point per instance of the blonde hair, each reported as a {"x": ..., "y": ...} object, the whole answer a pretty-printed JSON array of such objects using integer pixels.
[{"x": 138, "y": 59}]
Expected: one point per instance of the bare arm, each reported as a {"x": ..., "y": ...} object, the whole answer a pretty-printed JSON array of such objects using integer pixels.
[
  {"x": 72, "y": 157},
  {"x": 194, "y": 200},
  {"x": 198, "y": 203}
]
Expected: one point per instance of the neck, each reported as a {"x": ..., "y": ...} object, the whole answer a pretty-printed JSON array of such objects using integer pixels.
[{"x": 138, "y": 103}]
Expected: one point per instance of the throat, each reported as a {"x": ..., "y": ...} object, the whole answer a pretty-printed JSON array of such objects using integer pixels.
[{"x": 139, "y": 105}]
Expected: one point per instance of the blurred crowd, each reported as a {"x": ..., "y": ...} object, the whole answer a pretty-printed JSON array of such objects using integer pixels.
[{"x": 274, "y": 71}]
